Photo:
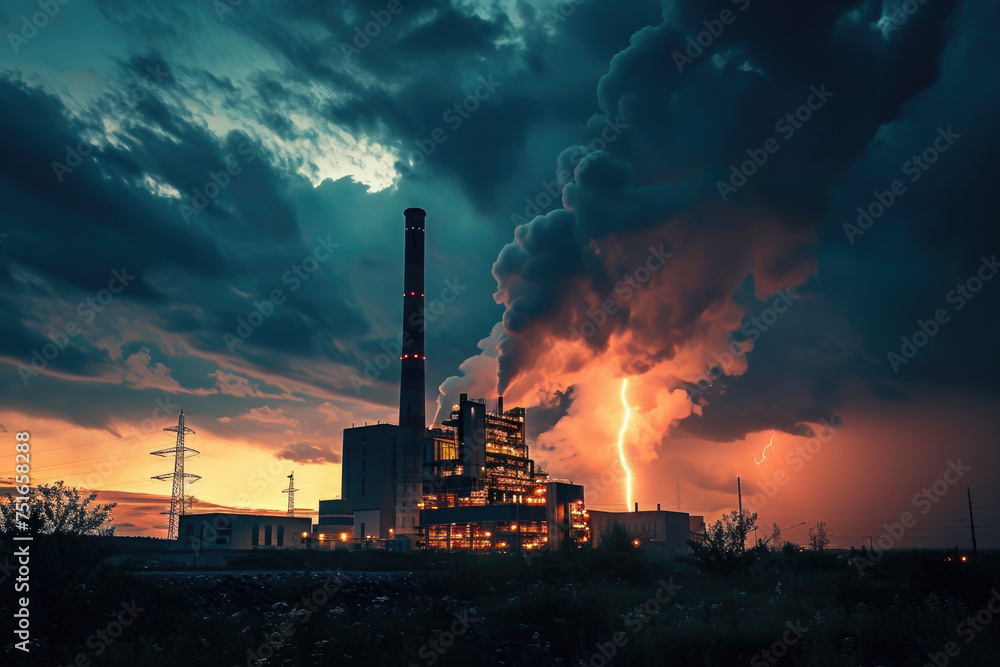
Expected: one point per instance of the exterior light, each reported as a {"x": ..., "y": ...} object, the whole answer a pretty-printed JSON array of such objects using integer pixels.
[
  {"x": 305, "y": 534},
  {"x": 343, "y": 537},
  {"x": 322, "y": 536}
]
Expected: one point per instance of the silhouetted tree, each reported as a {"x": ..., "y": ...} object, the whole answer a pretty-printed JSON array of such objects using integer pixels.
[
  {"x": 724, "y": 545},
  {"x": 56, "y": 509},
  {"x": 818, "y": 537},
  {"x": 615, "y": 538}
]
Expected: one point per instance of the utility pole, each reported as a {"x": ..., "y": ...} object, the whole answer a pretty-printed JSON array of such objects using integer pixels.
[
  {"x": 739, "y": 495},
  {"x": 972, "y": 522}
]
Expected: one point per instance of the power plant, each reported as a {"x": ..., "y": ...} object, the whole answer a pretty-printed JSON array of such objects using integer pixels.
[
  {"x": 465, "y": 484},
  {"x": 468, "y": 483}
]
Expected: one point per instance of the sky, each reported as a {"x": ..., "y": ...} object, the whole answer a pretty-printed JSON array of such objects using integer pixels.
[{"x": 774, "y": 220}]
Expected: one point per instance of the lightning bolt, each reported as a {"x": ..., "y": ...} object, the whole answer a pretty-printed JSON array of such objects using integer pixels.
[
  {"x": 621, "y": 449},
  {"x": 763, "y": 454}
]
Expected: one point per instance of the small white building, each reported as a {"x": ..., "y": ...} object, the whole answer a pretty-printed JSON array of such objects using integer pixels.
[{"x": 217, "y": 530}]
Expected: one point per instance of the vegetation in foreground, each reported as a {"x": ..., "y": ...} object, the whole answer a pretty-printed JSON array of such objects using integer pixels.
[{"x": 558, "y": 608}]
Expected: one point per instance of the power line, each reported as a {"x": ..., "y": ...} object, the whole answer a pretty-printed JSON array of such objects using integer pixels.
[{"x": 246, "y": 435}]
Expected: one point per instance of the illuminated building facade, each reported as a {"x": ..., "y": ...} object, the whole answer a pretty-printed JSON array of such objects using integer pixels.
[
  {"x": 466, "y": 484},
  {"x": 482, "y": 491}
]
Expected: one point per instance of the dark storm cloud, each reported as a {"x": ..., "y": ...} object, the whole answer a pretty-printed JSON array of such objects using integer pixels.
[
  {"x": 401, "y": 84},
  {"x": 898, "y": 272},
  {"x": 693, "y": 125},
  {"x": 286, "y": 73},
  {"x": 106, "y": 219},
  {"x": 136, "y": 229},
  {"x": 875, "y": 287}
]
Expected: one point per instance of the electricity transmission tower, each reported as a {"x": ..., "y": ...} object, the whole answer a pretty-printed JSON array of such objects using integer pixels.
[
  {"x": 291, "y": 494},
  {"x": 178, "y": 476}
]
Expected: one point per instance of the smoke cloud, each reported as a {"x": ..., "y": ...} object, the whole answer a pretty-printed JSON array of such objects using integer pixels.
[{"x": 706, "y": 213}]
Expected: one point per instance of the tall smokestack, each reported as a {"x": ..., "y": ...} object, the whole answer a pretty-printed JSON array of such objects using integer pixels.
[
  {"x": 411, "y": 383},
  {"x": 409, "y": 455}
]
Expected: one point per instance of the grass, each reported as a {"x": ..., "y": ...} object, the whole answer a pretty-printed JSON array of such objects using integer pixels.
[{"x": 556, "y": 609}]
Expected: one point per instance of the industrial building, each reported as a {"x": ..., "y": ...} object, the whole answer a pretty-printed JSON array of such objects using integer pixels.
[
  {"x": 659, "y": 531},
  {"x": 215, "y": 530},
  {"x": 483, "y": 491},
  {"x": 367, "y": 507},
  {"x": 466, "y": 484},
  {"x": 469, "y": 482}
]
